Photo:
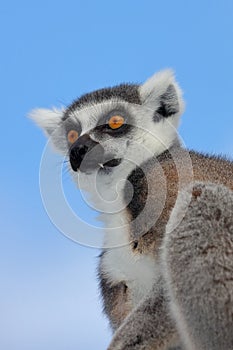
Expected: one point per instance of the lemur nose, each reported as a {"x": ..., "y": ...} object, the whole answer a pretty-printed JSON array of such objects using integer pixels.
[{"x": 85, "y": 154}]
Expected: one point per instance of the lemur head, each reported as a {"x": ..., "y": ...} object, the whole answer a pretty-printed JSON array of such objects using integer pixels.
[{"x": 114, "y": 129}]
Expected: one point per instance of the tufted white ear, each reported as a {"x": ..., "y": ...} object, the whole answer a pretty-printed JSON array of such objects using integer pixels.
[
  {"x": 162, "y": 94},
  {"x": 50, "y": 121},
  {"x": 47, "y": 119}
]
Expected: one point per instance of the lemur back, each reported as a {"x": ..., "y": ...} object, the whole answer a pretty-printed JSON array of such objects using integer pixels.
[{"x": 129, "y": 132}]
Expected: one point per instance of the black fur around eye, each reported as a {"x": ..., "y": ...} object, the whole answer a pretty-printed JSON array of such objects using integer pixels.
[
  {"x": 71, "y": 125},
  {"x": 125, "y": 128},
  {"x": 116, "y": 123}
]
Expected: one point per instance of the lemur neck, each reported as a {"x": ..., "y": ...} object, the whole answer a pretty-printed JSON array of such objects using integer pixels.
[
  {"x": 156, "y": 184},
  {"x": 153, "y": 189}
]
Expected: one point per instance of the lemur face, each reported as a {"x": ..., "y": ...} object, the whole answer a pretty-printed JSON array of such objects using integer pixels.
[
  {"x": 98, "y": 136},
  {"x": 118, "y": 127}
]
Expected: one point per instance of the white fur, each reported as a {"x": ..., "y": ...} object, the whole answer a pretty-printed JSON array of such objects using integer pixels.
[
  {"x": 178, "y": 212},
  {"x": 150, "y": 138},
  {"x": 50, "y": 120},
  {"x": 157, "y": 85},
  {"x": 47, "y": 119},
  {"x": 181, "y": 325},
  {"x": 138, "y": 271}
]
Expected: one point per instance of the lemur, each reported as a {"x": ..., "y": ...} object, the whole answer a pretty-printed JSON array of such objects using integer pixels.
[{"x": 166, "y": 274}]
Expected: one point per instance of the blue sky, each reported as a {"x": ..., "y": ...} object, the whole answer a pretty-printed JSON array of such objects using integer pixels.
[{"x": 51, "y": 52}]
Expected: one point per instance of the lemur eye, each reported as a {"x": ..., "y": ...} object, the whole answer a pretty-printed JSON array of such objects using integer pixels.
[
  {"x": 116, "y": 121},
  {"x": 72, "y": 136}
]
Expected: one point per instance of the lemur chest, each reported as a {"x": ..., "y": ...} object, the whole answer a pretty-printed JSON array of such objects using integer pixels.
[{"x": 138, "y": 271}]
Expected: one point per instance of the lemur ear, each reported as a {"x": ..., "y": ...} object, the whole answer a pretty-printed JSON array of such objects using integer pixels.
[
  {"x": 50, "y": 121},
  {"x": 47, "y": 119},
  {"x": 162, "y": 94}
]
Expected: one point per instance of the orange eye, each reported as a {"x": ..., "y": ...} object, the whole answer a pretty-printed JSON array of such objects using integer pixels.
[
  {"x": 116, "y": 121},
  {"x": 72, "y": 136}
]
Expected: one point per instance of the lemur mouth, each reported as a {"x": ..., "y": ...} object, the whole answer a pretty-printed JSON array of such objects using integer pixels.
[{"x": 112, "y": 163}]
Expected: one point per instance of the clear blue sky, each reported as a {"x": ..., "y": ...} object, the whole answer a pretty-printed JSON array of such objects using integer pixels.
[{"x": 51, "y": 52}]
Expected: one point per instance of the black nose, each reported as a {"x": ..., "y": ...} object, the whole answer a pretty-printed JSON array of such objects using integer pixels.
[{"x": 85, "y": 154}]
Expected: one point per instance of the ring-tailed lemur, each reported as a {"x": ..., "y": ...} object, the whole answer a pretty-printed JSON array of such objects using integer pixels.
[{"x": 166, "y": 276}]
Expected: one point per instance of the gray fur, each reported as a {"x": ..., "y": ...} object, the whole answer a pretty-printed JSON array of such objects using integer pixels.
[
  {"x": 148, "y": 327},
  {"x": 205, "y": 167},
  {"x": 198, "y": 261},
  {"x": 168, "y": 285},
  {"x": 123, "y": 92}
]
